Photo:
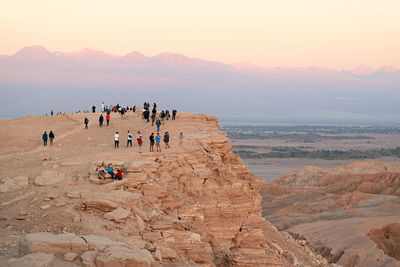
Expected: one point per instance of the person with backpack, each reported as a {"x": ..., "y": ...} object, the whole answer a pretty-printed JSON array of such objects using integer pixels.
[
  {"x": 108, "y": 118},
  {"x": 101, "y": 119},
  {"x": 44, "y": 137},
  {"x": 116, "y": 140},
  {"x": 166, "y": 140},
  {"x": 129, "y": 142},
  {"x": 151, "y": 138},
  {"x": 51, "y": 137},
  {"x": 162, "y": 117},
  {"x": 139, "y": 141},
  {"x": 86, "y": 121}
]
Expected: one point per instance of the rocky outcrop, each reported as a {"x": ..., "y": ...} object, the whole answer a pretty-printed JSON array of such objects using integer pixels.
[
  {"x": 313, "y": 175},
  {"x": 335, "y": 206},
  {"x": 192, "y": 206},
  {"x": 388, "y": 239}
]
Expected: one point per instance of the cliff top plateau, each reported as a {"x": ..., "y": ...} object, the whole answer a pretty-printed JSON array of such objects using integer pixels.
[{"x": 189, "y": 205}]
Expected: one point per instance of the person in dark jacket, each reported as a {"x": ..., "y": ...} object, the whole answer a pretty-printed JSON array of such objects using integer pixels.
[
  {"x": 166, "y": 140},
  {"x": 101, "y": 120},
  {"x": 51, "y": 136},
  {"x": 174, "y": 114},
  {"x": 86, "y": 121},
  {"x": 44, "y": 137},
  {"x": 94, "y": 109},
  {"x": 151, "y": 138}
]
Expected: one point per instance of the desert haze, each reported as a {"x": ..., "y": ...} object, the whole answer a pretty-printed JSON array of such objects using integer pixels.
[{"x": 66, "y": 82}]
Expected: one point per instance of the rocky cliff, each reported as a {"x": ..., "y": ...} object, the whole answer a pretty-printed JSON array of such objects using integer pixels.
[
  {"x": 339, "y": 210},
  {"x": 185, "y": 206}
]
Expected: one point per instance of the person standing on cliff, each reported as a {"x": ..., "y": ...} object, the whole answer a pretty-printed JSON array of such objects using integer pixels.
[
  {"x": 86, "y": 121},
  {"x": 180, "y": 139},
  {"x": 116, "y": 140},
  {"x": 129, "y": 142},
  {"x": 158, "y": 142},
  {"x": 101, "y": 119},
  {"x": 151, "y": 138},
  {"x": 44, "y": 137},
  {"x": 108, "y": 118},
  {"x": 166, "y": 140},
  {"x": 158, "y": 123},
  {"x": 174, "y": 114},
  {"x": 102, "y": 107},
  {"x": 139, "y": 141},
  {"x": 51, "y": 137}
]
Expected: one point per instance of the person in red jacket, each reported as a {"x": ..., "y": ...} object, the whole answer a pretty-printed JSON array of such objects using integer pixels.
[
  {"x": 118, "y": 175},
  {"x": 108, "y": 119}
]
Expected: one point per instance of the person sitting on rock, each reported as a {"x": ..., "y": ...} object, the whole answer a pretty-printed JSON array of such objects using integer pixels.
[
  {"x": 118, "y": 175},
  {"x": 110, "y": 170}
]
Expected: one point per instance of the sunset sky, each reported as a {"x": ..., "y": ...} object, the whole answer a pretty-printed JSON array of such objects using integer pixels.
[{"x": 338, "y": 34}]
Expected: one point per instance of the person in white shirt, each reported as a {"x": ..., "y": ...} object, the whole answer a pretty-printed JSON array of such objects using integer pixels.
[
  {"x": 116, "y": 140},
  {"x": 102, "y": 106},
  {"x": 129, "y": 139}
]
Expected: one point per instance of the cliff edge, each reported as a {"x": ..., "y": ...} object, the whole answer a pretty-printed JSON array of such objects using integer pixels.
[{"x": 185, "y": 206}]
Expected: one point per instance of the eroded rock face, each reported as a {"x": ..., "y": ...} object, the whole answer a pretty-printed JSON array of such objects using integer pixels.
[
  {"x": 196, "y": 205},
  {"x": 337, "y": 207},
  {"x": 388, "y": 239}
]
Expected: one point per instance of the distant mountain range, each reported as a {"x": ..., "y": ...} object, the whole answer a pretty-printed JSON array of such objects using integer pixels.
[
  {"x": 38, "y": 57},
  {"x": 238, "y": 90}
]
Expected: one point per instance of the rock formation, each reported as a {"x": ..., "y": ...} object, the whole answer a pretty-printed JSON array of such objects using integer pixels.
[
  {"x": 336, "y": 208},
  {"x": 196, "y": 205}
]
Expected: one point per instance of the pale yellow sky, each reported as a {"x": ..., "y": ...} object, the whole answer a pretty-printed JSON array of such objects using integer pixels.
[{"x": 337, "y": 34}]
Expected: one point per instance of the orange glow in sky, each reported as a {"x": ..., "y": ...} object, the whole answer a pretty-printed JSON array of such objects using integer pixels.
[{"x": 338, "y": 34}]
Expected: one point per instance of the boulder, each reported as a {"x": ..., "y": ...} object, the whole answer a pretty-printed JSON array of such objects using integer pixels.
[
  {"x": 99, "y": 204},
  {"x": 49, "y": 178},
  {"x": 71, "y": 256},
  {"x": 51, "y": 243},
  {"x": 99, "y": 243},
  {"x": 118, "y": 215},
  {"x": 123, "y": 256},
  {"x": 13, "y": 184},
  {"x": 33, "y": 260},
  {"x": 89, "y": 258},
  {"x": 74, "y": 194}
]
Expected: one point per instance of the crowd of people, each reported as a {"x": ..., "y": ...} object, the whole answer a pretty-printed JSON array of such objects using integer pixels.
[{"x": 157, "y": 119}]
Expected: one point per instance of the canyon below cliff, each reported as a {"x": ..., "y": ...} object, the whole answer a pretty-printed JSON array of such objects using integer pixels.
[
  {"x": 350, "y": 213},
  {"x": 196, "y": 205}
]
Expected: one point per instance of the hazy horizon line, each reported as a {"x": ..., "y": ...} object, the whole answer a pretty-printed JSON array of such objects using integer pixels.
[{"x": 250, "y": 64}]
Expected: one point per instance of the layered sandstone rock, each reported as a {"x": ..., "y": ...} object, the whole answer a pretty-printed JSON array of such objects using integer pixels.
[
  {"x": 336, "y": 208},
  {"x": 193, "y": 206}
]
